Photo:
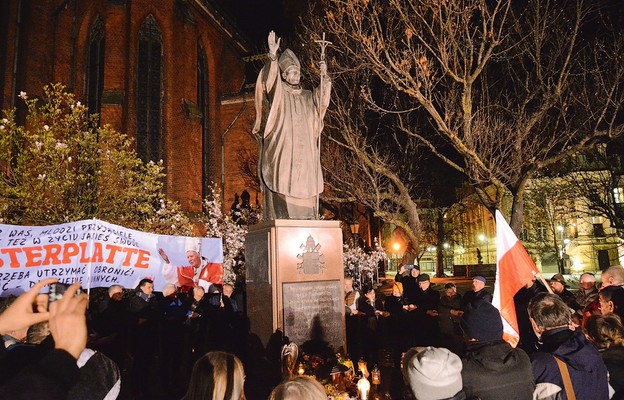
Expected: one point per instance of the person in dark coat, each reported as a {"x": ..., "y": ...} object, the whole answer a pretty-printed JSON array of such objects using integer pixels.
[
  {"x": 197, "y": 327},
  {"x": 528, "y": 340},
  {"x": 408, "y": 275},
  {"x": 111, "y": 326},
  {"x": 172, "y": 343},
  {"x": 559, "y": 287},
  {"x": 231, "y": 318},
  {"x": 606, "y": 332},
  {"x": 493, "y": 370},
  {"x": 478, "y": 292},
  {"x": 396, "y": 306},
  {"x": 370, "y": 309},
  {"x": 450, "y": 313},
  {"x": 146, "y": 314},
  {"x": 426, "y": 313},
  {"x": 551, "y": 319}
]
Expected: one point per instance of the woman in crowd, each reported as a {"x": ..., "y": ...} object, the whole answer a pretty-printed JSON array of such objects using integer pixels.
[
  {"x": 396, "y": 305},
  {"x": 606, "y": 332},
  {"x": 370, "y": 309},
  {"x": 217, "y": 376},
  {"x": 611, "y": 301},
  {"x": 299, "y": 388}
]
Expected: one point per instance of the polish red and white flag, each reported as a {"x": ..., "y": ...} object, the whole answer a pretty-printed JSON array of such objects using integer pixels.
[{"x": 514, "y": 269}]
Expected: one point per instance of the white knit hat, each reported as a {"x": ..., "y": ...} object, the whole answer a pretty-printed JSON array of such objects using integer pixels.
[{"x": 432, "y": 373}]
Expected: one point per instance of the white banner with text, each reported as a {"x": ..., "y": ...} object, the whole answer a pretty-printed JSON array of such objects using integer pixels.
[{"x": 94, "y": 252}]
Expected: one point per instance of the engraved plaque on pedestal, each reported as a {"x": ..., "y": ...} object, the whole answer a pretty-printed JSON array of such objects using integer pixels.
[
  {"x": 310, "y": 307},
  {"x": 295, "y": 280}
]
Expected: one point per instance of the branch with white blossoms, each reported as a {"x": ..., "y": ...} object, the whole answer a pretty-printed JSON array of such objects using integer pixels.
[
  {"x": 360, "y": 265},
  {"x": 232, "y": 233},
  {"x": 61, "y": 165}
]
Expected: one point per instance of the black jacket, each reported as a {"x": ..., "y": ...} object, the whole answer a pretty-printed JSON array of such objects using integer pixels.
[
  {"x": 496, "y": 371},
  {"x": 613, "y": 358},
  {"x": 49, "y": 378}
]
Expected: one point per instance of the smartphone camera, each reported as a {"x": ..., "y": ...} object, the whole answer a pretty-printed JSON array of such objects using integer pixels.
[{"x": 57, "y": 290}]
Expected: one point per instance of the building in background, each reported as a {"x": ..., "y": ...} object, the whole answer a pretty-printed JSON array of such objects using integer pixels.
[
  {"x": 170, "y": 74},
  {"x": 572, "y": 219}
]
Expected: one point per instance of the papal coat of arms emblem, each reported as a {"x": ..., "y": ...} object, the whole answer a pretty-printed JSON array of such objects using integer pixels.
[{"x": 311, "y": 259}]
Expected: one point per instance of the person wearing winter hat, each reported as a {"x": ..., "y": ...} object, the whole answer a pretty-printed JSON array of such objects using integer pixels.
[
  {"x": 492, "y": 369},
  {"x": 477, "y": 293},
  {"x": 426, "y": 313},
  {"x": 433, "y": 373},
  {"x": 559, "y": 287}
]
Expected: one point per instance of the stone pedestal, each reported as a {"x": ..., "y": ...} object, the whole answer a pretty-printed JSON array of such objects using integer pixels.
[{"x": 295, "y": 280}]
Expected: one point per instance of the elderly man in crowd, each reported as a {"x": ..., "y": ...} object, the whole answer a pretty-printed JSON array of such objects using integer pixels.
[
  {"x": 587, "y": 290},
  {"x": 478, "y": 292},
  {"x": 564, "y": 355},
  {"x": 559, "y": 287},
  {"x": 613, "y": 276}
]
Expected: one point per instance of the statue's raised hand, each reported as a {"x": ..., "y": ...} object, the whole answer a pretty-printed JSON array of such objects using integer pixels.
[{"x": 274, "y": 43}]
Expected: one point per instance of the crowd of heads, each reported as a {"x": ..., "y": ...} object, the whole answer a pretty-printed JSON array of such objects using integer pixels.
[{"x": 430, "y": 372}]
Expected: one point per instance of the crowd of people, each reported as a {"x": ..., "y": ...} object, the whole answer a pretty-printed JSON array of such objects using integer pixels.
[
  {"x": 191, "y": 345},
  {"x": 571, "y": 344},
  {"x": 152, "y": 339}
]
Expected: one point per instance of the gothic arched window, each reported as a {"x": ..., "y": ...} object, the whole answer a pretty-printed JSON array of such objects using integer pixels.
[
  {"x": 202, "y": 105},
  {"x": 95, "y": 66},
  {"x": 149, "y": 91}
]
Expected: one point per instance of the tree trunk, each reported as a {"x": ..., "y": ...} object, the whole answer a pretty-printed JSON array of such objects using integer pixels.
[{"x": 517, "y": 213}]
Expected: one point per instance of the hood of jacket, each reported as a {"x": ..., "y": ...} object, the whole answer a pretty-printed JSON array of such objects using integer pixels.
[{"x": 493, "y": 356}]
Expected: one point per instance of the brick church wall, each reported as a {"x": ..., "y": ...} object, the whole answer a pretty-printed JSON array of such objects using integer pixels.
[{"x": 53, "y": 42}]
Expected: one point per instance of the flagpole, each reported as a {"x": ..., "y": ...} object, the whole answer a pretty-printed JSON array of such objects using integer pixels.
[
  {"x": 323, "y": 43},
  {"x": 541, "y": 277}
]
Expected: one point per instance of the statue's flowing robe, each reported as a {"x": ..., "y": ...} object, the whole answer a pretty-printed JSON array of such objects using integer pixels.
[{"x": 290, "y": 121}]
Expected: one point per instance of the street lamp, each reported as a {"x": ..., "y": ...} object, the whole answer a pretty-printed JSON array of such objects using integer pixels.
[
  {"x": 396, "y": 246},
  {"x": 483, "y": 238},
  {"x": 355, "y": 229}
]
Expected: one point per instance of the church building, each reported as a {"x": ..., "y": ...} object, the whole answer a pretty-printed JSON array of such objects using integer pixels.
[{"x": 168, "y": 73}]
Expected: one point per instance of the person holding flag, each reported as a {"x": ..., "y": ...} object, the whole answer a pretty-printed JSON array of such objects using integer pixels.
[{"x": 514, "y": 270}]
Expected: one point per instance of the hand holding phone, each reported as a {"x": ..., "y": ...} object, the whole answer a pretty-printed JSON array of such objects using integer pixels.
[
  {"x": 57, "y": 291},
  {"x": 68, "y": 322},
  {"x": 20, "y": 314}
]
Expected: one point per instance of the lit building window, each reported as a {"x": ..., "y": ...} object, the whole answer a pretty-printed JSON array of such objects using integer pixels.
[{"x": 618, "y": 195}]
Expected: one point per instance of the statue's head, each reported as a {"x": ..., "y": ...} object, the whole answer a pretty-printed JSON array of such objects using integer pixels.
[{"x": 290, "y": 66}]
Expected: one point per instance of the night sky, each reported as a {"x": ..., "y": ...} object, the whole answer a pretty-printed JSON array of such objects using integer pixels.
[{"x": 256, "y": 18}]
